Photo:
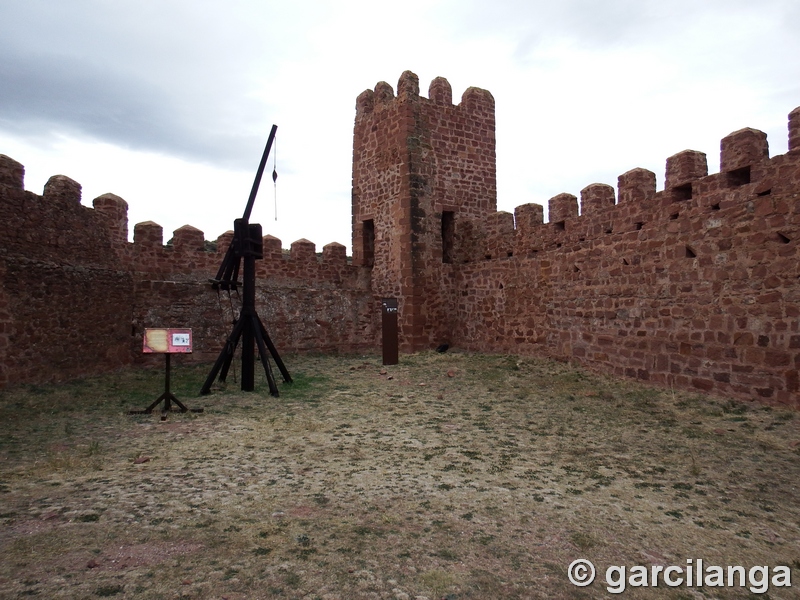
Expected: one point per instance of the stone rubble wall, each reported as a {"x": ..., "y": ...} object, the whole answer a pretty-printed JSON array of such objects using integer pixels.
[
  {"x": 696, "y": 286},
  {"x": 76, "y": 296}
]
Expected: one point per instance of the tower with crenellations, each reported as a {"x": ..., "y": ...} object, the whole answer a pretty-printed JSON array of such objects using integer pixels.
[{"x": 419, "y": 164}]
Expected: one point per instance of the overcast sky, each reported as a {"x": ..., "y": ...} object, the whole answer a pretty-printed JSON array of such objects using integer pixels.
[{"x": 169, "y": 103}]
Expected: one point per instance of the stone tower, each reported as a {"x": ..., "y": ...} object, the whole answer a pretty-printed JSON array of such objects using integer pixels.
[{"x": 419, "y": 166}]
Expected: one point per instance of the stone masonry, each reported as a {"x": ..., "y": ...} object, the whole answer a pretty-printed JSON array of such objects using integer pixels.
[
  {"x": 696, "y": 286},
  {"x": 76, "y": 295}
]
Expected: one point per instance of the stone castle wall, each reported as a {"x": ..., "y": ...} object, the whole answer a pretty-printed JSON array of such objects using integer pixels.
[
  {"x": 696, "y": 286},
  {"x": 76, "y": 296}
]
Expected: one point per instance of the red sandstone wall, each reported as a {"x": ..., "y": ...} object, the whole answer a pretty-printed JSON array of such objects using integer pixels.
[
  {"x": 413, "y": 159},
  {"x": 65, "y": 305},
  {"x": 308, "y": 303},
  {"x": 695, "y": 286},
  {"x": 381, "y": 196},
  {"x": 76, "y": 295}
]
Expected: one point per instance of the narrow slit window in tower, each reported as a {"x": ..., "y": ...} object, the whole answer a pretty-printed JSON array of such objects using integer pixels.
[
  {"x": 368, "y": 242},
  {"x": 448, "y": 230}
]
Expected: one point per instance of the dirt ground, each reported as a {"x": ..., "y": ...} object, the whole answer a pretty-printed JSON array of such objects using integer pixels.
[{"x": 449, "y": 476}]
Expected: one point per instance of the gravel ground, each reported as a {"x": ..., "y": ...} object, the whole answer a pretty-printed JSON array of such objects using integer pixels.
[{"x": 449, "y": 476}]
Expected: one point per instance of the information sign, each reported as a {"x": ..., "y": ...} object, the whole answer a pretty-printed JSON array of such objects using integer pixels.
[{"x": 167, "y": 341}]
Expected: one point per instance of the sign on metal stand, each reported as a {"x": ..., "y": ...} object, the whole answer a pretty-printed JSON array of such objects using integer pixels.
[
  {"x": 389, "y": 331},
  {"x": 166, "y": 342}
]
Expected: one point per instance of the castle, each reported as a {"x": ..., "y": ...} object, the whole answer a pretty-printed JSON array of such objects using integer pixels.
[{"x": 696, "y": 286}]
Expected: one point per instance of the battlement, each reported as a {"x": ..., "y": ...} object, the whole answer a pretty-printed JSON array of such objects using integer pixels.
[
  {"x": 643, "y": 283},
  {"x": 189, "y": 254},
  {"x": 35, "y": 226},
  {"x": 746, "y": 174},
  {"x": 691, "y": 286},
  {"x": 474, "y": 100},
  {"x": 12, "y": 173}
]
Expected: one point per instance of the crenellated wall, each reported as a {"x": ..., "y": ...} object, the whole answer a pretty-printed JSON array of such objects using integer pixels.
[
  {"x": 66, "y": 302},
  {"x": 308, "y": 302},
  {"x": 76, "y": 295},
  {"x": 696, "y": 286}
]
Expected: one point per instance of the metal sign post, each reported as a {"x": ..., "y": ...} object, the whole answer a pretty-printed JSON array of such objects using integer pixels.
[{"x": 166, "y": 342}]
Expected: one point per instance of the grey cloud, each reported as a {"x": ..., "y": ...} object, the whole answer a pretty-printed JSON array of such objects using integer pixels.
[
  {"x": 170, "y": 81},
  {"x": 42, "y": 96}
]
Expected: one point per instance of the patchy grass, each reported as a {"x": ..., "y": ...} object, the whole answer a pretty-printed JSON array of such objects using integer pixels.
[{"x": 448, "y": 476}]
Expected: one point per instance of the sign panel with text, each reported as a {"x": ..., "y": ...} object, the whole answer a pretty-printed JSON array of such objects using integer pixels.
[{"x": 167, "y": 341}]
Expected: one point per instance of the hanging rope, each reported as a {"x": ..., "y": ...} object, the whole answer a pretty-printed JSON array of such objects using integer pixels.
[{"x": 275, "y": 176}]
